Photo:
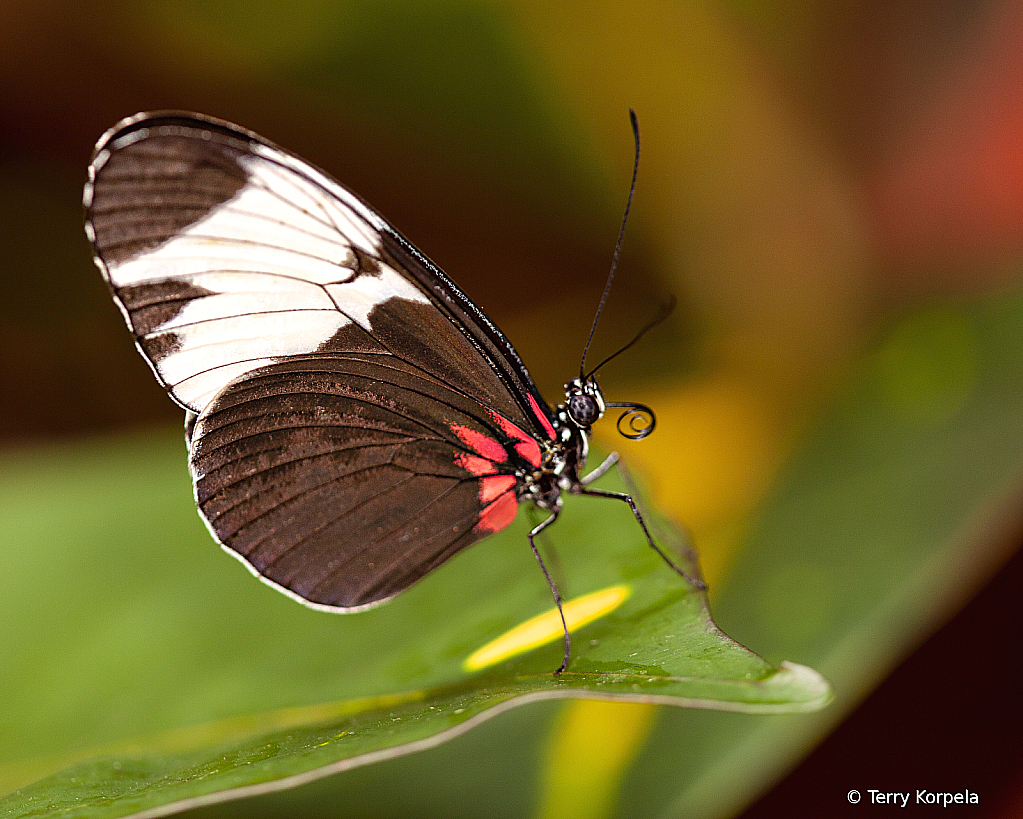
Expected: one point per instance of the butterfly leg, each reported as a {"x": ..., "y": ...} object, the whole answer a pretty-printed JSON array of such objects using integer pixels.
[
  {"x": 602, "y": 469},
  {"x": 536, "y": 530},
  {"x": 622, "y": 496}
]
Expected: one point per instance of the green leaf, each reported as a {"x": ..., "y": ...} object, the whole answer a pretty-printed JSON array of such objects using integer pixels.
[
  {"x": 888, "y": 519},
  {"x": 164, "y": 675}
]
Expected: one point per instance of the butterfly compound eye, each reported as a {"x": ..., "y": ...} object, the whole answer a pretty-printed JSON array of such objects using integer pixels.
[{"x": 584, "y": 410}]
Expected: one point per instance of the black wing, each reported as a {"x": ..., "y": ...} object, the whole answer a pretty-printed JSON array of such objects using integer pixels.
[{"x": 359, "y": 418}]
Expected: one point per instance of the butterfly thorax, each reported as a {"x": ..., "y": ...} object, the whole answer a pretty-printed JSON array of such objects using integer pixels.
[{"x": 563, "y": 458}]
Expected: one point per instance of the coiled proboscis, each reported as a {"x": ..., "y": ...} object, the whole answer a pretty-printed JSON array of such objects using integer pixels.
[{"x": 636, "y": 422}]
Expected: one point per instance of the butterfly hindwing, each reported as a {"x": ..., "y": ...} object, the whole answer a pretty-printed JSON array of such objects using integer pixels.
[
  {"x": 359, "y": 418},
  {"x": 345, "y": 480}
]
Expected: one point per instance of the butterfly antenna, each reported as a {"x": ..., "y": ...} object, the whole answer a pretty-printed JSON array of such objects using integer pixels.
[
  {"x": 618, "y": 245},
  {"x": 665, "y": 311}
]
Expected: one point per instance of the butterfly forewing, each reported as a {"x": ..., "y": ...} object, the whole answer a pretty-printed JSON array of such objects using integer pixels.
[{"x": 359, "y": 419}]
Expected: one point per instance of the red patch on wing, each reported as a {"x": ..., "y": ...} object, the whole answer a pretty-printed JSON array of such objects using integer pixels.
[
  {"x": 475, "y": 465},
  {"x": 507, "y": 427},
  {"x": 526, "y": 445},
  {"x": 481, "y": 444},
  {"x": 543, "y": 418},
  {"x": 499, "y": 514},
  {"x": 493, "y": 487},
  {"x": 530, "y": 450}
]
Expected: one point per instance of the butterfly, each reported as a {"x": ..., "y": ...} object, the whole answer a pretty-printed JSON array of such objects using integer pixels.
[{"x": 353, "y": 419}]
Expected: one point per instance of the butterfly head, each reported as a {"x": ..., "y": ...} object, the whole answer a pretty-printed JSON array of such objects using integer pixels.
[
  {"x": 585, "y": 402},
  {"x": 585, "y": 405}
]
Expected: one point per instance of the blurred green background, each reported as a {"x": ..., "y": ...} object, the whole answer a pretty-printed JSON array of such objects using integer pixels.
[{"x": 835, "y": 194}]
